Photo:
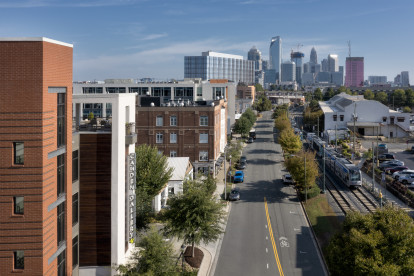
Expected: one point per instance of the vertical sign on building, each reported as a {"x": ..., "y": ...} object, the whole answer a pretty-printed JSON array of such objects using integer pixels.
[{"x": 131, "y": 197}]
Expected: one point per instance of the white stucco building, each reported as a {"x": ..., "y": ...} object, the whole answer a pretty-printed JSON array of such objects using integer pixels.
[{"x": 372, "y": 117}]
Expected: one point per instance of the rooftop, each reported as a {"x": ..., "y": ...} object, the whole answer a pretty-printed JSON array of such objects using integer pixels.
[{"x": 40, "y": 39}]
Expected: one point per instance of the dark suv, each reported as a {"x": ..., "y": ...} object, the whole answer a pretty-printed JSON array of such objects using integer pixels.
[{"x": 386, "y": 157}]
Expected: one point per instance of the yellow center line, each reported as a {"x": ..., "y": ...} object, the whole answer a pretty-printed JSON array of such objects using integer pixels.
[{"x": 273, "y": 239}]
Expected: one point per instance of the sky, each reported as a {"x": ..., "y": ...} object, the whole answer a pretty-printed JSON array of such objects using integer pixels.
[{"x": 149, "y": 38}]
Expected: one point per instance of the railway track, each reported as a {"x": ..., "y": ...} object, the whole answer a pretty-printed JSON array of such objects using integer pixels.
[
  {"x": 367, "y": 202},
  {"x": 339, "y": 198}
]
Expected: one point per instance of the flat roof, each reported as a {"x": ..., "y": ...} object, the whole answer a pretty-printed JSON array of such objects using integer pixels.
[{"x": 42, "y": 39}]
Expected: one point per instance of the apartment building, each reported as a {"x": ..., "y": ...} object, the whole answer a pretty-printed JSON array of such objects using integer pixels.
[
  {"x": 37, "y": 211},
  {"x": 197, "y": 130}
]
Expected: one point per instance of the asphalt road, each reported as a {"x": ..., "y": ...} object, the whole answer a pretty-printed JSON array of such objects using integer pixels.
[{"x": 267, "y": 232}]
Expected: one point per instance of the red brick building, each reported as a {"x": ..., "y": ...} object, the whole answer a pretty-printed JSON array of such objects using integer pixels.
[
  {"x": 180, "y": 130},
  {"x": 36, "y": 157}
]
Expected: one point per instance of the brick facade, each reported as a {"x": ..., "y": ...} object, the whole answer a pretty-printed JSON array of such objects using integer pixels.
[{"x": 28, "y": 114}]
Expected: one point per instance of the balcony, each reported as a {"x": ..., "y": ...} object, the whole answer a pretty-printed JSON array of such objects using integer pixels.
[
  {"x": 130, "y": 135},
  {"x": 93, "y": 125}
]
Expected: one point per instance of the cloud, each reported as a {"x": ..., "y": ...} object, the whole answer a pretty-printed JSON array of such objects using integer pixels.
[{"x": 154, "y": 36}]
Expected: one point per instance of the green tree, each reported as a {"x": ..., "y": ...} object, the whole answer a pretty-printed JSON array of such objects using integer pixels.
[
  {"x": 296, "y": 166},
  {"x": 398, "y": 98},
  {"x": 314, "y": 105},
  {"x": 289, "y": 141},
  {"x": 155, "y": 257},
  {"x": 242, "y": 126},
  {"x": 282, "y": 122},
  {"x": 317, "y": 94},
  {"x": 194, "y": 216},
  {"x": 262, "y": 104},
  {"x": 280, "y": 110},
  {"x": 381, "y": 243},
  {"x": 409, "y": 97},
  {"x": 249, "y": 114},
  {"x": 152, "y": 175},
  {"x": 90, "y": 116},
  {"x": 328, "y": 94},
  {"x": 407, "y": 109},
  {"x": 369, "y": 95},
  {"x": 382, "y": 97},
  {"x": 258, "y": 87}
]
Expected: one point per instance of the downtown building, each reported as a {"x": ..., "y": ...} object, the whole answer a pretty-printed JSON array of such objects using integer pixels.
[
  {"x": 354, "y": 76},
  {"x": 65, "y": 198},
  {"x": 275, "y": 57},
  {"x": 213, "y": 65}
]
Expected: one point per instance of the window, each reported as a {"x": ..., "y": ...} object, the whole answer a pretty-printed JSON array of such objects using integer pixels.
[
  {"x": 75, "y": 165},
  {"x": 159, "y": 138},
  {"x": 19, "y": 259},
  {"x": 61, "y": 223},
  {"x": 203, "y": 156},
  {"x": 61, "y": 264},
  {"x": 384, "y": 119},
  {"x": 18, "y": 148},
  {"x": 199, "y": 92},
  {"x": 173, "y": 153},
  {"x": 160, "y": 121},
  {"x": 60, "y": 174},
  {"x": 61, "y": 119},
  {"x": 173, "y": 120},
  {"x": 75, "y": 208},
  {"x": 203, "y": 138},
  {"x": 18, "y": 202},
  {"x": 75, "y": 251},
  {"x": 203, "y": 120},
  {"x": 173, "y": 138},
  {"x": 335, "y": 117},
  {"x": 400, "y": 119},
  {"x": 341, "y": 117}
]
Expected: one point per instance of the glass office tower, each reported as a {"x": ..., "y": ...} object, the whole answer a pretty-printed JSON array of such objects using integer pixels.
[{"x": 275, "y": 54}]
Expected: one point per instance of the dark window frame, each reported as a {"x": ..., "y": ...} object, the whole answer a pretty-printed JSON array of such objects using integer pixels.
[
  {"x": 60, "y": 174},
  {"x": 75, "y": 165},
  {"x": 75, "y": 251},
  {"x": 18, "y": 159},
  {"x": 17, "y": 210},
  {"x": 61, "y": 115},
  {"x": 18, "y": 261},
  {"x": 75, "y": 209},
  {"x": 60, "y": 224},
  {"x": 61, "y": 264}
]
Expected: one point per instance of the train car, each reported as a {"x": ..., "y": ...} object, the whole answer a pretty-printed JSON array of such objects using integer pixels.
[
  {"x": 330, "y": 158},
  {"x": 349, "y": 174},
  {"x": 317, "y": 145}
]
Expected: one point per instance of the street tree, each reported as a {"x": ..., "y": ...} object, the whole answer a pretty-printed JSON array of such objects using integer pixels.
[
  {"x": 155, "y": 257},
  {"x": 409, "y": 97},
  {"x": 296, "y": 166},
  {"x": 259, "y": 87},
  {"x": 369, "y": 95},
  {"x": 381, "y": 243},
  {"x": 282, "y": 122},
  {"x": 398, "y": 98},
  {"x": 289, "y": 141},
  {"x": 381, "y": 97},
  {"x": 152, "y": 174},
  {"x": 317, "y": 94},
  {"x": 262, "y": 104},
  {"x": 242, "y": 126},
  {"x": 407, "y": 109},
  {"x": 328, "y": 94},
  {"x": 249, "y": 114},
  {"x": 280, "y": 110},
  {"x": 195, "y": 215}
]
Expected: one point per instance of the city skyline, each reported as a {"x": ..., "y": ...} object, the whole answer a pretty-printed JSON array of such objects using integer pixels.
[{"x": 138, "y": 38}]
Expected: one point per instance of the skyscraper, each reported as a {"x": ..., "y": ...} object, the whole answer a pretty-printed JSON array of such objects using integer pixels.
[
  {"x": 333, "y": 65},
  {"x": 256, "y": 56},
  {"x": 288, "y": 71},
  {"x": 275, "y": 55},
  {"x": 297, "y": 58},
  {"x": 325, "y": 67},
  {"x": 354, "y": 72},
  {"x": 405, "y": 79},
  {"x": 313, "y": 56}
]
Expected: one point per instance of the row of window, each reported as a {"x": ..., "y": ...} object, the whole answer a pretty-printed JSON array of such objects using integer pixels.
[
  {"x": 159, "y": 138},
  {"x": 202, "y": 155},
  {"x": 173, "y": 121},
  {"x": 384, "y": 119}
]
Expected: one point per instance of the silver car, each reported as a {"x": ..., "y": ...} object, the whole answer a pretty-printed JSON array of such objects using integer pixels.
[
  {"x": 406, "y": 178},
  {"x": 397, "y": 175},
  {"x": 391, "y": 163},
  {"x": 234, "y": 194}
]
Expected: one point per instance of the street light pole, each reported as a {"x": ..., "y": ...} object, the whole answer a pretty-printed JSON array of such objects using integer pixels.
[
  {"x": 306, "y": 187},
  {"x": 225, "y": 176},
  {"x": 373, "y": 176}
]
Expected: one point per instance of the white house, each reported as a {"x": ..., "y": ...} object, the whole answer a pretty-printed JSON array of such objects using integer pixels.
[
  {"x": 371, "y": 118},
  {"x": 182, "y": 170}
]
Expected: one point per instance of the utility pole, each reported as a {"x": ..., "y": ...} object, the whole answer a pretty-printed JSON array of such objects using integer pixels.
[
  {"x": 323, "y": 169},
  {"x": 373, "y": 175},
  {"x": 355, "y": 117},
  {"x": 336, "y": 138},
  {"x": 306, "y": 187},
  {"x": 318, "y": 127},
  {"x": 225, "y": 176}
]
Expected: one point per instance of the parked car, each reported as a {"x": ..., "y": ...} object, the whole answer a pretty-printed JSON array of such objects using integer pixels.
[
  {"x": 412, "y": 149},
  {"x": 250, "y": 140},
  {"x": 395, "y": 169},
  {"x": 287, "y": 179},
  {"x": 243, "y": 159},
  {"x": 406, "y": 178},
  {"x": 234, "y": 194},
  {"x": 390, "y": 164},
  {"x": 386, "y": 157},
  {"x": 238, "y": 177},
  {"x": 397, "y": 175},
  {"x": 411, "y": 186},
  {"x": 382, "y": 148},
  {"x": 242, "y": 165}
]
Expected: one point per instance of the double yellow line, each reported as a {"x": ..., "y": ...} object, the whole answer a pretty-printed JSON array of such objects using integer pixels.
[{"x": 273, "y": 239}]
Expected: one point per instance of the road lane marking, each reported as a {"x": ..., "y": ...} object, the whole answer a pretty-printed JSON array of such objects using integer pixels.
[
  {"x": 267, "y": 266},
  {"x": 279, "y": 266},
  {"x": 266, "y": 249},
  {"x": 266, "y": 238}
]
